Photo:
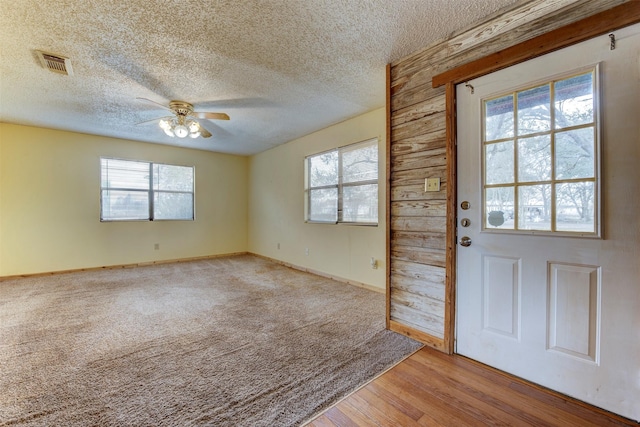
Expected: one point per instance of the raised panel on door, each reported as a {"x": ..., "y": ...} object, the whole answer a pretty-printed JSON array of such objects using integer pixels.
[
  {"x": 501, "y": 295},
  {"x": 574, "y": 308}
]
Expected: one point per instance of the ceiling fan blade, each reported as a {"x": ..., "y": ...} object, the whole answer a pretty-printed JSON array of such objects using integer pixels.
[
  {"x": 204, "y": 133},
  {"x": 214, "y": 116},
  {"x": 154, "y": 120},
  {"x": 155, "y": 103},
  {"x": 217, "y": 130}
]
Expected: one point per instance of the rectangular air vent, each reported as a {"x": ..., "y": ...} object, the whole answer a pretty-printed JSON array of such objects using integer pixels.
[{"x": 56, "y": 63}]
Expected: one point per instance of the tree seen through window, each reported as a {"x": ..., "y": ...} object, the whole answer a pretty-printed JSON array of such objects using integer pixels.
[{"x": 342, "y": 184}]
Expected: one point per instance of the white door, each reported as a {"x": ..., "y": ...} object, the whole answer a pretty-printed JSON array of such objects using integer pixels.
[{"x": 549, "y": 287}]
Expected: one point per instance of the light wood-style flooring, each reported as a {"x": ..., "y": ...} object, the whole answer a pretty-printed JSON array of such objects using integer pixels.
[{"x": 433, "y": 389}]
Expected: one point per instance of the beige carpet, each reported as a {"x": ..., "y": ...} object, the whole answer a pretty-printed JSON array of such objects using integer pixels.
[{"x": 237, "y": 341}]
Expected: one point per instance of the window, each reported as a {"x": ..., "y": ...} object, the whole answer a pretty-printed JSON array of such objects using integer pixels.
[
  {"x": 342, "y": 184},
  {"x": 541, "y": 158},
  {"x": 135, "y": 190}
]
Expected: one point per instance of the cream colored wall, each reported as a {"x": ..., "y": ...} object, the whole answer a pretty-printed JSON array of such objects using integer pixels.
[
  {"x": 276, "y": 207},
  {"x": 50, "y": 204}
]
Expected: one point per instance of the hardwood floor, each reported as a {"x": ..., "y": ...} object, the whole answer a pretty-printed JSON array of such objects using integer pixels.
[{"x": 433, "y": 389}]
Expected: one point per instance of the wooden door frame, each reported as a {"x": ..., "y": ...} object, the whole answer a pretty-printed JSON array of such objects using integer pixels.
[{"x": 612, "y": 19}]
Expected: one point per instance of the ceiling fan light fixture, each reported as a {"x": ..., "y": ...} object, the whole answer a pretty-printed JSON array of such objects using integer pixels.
[
  {"x": 184, "y": 122},
  {"x": 180, "y": 128},
  {"x": 165, "y": 124},
  {"x": 193, "y": 126},
  {"x": 181, "y": 131}
]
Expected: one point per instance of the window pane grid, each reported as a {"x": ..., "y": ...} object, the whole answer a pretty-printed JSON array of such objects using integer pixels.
[
  {"x": 172, "y": 205},
  {"x": 135, "y": 190},
  {"x": 124, "y": 174},
  {"x": 125, "y": 204},
  {"x": 360, "y": 203},
  {"x": 323, "y": 205},
  {"x": 170, "y": 177},
  {"x": 539, "y": 158},
  {"x": 342, "y": 184}
]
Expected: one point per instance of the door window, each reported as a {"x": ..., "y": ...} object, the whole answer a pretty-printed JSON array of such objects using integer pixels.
[{"x": 540, "y": 157}]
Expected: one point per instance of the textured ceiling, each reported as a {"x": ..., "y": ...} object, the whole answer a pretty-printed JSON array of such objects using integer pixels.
[{"x": 280, "y": 68}]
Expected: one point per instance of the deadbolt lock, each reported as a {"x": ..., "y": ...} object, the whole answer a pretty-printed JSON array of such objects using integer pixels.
[{"x": 465, "y": 205}]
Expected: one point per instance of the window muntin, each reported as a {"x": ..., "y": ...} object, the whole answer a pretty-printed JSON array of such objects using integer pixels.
[
  {"x": 540, "y": 164},
  {"x": 143, "y": 191},
  {"x": 342, "y": 184}
]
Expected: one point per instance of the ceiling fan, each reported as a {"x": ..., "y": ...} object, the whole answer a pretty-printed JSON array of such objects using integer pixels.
[{"x": 183, "y": 122}]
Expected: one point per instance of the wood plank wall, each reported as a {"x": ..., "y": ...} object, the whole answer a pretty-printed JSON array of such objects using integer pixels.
[{"x": 421, "y": 268}]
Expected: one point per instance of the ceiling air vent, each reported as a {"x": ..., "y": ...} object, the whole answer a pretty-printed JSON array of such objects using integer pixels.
[{"x": 56, "y": 63}]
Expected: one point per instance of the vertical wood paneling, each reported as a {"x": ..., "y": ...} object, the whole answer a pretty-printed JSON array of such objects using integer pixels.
[
  {"x": 421, "y": 252},
  {"x": 388, "y": 199},
  {"x": 452, "y": 244}
]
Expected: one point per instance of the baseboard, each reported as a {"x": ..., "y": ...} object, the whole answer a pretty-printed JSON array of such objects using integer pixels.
[
  {"x": 426, "y": 339},
  {"x": 173, "y": 261},
  {"x": 119, "y": 266},
  {"x": 323, "y": 274}
]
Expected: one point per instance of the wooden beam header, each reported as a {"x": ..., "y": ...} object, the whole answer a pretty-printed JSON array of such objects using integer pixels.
[{"x": 615, "y": 18}]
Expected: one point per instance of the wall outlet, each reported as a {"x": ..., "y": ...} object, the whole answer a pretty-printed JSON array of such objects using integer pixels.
[
  {"x": 306, "y": 251},
  {"x": 374, "y": 263},
  {"x": 278, "y": 245},
  {"x": 156, "y": 246},
  {"x": 431, "y": 184}
]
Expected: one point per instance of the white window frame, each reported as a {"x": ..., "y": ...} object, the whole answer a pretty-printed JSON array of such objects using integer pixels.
[
  {"x": 150, "y": 191},
  {"x": 340, "y": 185}
]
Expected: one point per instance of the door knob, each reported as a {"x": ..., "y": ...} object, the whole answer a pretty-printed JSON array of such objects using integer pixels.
[{"x": 465, "y": 241}]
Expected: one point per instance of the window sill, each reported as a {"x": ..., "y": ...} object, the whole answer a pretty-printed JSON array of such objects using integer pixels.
[
  {"x": 144, "y": 220},
  {"x": 359, "y": 224}
]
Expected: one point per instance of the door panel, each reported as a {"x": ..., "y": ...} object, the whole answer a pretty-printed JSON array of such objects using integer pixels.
[
  {"x": 500, "y": 296},
  {"x": 563, "y": 312},
  {"x": 574, "y": 308}
]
